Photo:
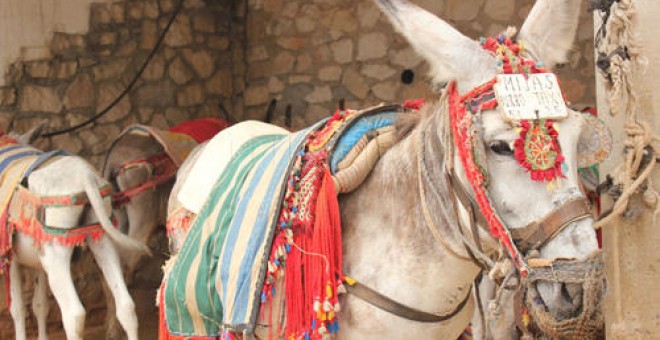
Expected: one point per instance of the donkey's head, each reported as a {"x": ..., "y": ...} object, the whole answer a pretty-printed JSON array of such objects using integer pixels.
[
  {"x": 30, "y": 136},
  {"x": 518, "y": 197}
]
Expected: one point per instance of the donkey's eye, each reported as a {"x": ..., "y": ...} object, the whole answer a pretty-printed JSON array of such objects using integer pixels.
[{"x": 501, "y": 147}]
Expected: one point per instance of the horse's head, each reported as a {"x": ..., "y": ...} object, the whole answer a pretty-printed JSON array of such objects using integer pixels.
[{"x": 518, "y": 197}]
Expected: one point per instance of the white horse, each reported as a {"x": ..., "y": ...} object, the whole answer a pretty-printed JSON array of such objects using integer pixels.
[
  {"x": 65, "y": 176},
  {"x": 391, "y": 222}
]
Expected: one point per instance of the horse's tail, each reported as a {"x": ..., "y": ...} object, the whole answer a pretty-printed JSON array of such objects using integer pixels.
[{"x": 96, "y": 201}]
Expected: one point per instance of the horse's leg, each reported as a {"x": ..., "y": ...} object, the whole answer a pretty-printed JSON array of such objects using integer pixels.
[
  {"x": 40, "y": 303},
  {"x": 107, "y": 258},
  {"x": 56, "y": 261},
  {"x": 17, "y": 307}
]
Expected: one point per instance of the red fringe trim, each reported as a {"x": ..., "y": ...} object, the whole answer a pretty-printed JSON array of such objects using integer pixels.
[
  {"x": 538, "y": 175},
  {"x": 313, "y": 272},
  {"x": 461, "y": 124}
]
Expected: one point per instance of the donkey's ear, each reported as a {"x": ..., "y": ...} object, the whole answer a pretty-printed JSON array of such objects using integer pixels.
[
  {"x": 451, "y": 55},
  {"x": 549, "y": 30},
  {"x": 34, "y": 133}
]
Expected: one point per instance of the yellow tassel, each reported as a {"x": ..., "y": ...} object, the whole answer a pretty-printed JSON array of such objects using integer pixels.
[
  {"x": 349, "y": 281},
  {"x": 328, "y": 291}
]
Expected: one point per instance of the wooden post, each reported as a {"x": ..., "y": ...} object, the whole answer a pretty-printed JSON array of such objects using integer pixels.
[{"x": 632, "y": 245}]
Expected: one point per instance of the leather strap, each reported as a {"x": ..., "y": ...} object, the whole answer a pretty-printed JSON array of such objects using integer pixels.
[
  {"x": 381, "y": 301},
  {"x": 538, "y": 233},
  {"x": 161, "y": 168},
  {"x": 467, "y": 201}
]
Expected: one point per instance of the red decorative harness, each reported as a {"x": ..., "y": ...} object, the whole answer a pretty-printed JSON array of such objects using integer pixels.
[
  {"x": 161, "y": 169},
  {"x": 462, "y": 110}
]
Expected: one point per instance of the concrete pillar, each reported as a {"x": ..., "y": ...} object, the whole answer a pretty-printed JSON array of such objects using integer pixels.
[{"x": 632, "y": 246}]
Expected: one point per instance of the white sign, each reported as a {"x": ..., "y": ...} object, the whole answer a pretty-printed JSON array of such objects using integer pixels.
[{"x": 537, "y": 97}]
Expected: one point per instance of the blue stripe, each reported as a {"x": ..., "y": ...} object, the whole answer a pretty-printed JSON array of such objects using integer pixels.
[
  {"x": 41, "y": 159},
  {"x": 234, "y": 226},
  {"x": 258, "y": 234},
  {"x": 354, "y": 133},
  {"x": 5, "y": 162},
  {"x": 12, "y": 148}
]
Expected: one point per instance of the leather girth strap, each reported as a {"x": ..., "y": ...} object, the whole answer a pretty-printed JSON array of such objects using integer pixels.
[
  {"x": 538, "y": 233},
  {"x": 383, "y": 302}
]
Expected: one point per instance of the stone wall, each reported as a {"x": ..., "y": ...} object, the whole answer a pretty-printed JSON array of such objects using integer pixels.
[
  {"x": 190, "y": 76},
  {"x": 239, "y": 53},
  {"x": 79, "y": 73},
  {"x": 309, "y": 54}
]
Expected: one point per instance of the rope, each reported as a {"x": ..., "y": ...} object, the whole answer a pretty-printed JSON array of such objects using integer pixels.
[
  {"x": 130, "y": 85},
  {"x": 619, "y": 54}
]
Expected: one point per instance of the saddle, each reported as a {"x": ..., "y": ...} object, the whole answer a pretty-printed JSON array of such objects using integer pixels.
[
  {"x": 23, "y": 211},
  {"x": 275, "y": 202}
]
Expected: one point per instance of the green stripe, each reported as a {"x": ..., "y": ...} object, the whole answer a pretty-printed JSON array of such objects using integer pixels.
[{"x": 231, "y": 180}]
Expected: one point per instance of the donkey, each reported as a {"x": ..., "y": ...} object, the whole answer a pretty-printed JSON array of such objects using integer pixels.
[
  {"x": 419, "y": 271},
  {"x": 142, "y": 171},
  {"x": 69, "y": 175},
  {"x": 418, "y": 197}
]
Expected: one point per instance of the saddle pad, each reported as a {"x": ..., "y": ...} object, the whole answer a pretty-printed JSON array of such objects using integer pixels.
[
  {"x": 215, "y": 157},
  {"x": 176, "y": 145},
  {"x": 15, "y": 161},
  {"x": 348, "y": 139},
  {"x": 214, "y": 282}
]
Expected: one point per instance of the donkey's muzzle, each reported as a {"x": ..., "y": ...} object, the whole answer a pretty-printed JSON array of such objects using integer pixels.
[{"x": 578, "y": 290}]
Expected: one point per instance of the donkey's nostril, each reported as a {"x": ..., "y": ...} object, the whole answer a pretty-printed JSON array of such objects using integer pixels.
[
  {"x": 568, "y": 300},
  {"x": 573, "y": 293}
]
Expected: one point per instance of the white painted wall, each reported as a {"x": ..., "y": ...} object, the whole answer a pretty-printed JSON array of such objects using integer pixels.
[{"x": 26, "y": 26}]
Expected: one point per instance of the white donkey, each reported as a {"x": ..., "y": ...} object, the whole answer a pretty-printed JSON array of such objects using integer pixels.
[
  {"x": 401, "y": 227},
  {"x": 65, "y": 176}
]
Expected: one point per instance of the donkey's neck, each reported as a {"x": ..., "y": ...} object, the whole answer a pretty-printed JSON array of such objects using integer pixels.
[{"x": 388, "y": 246}]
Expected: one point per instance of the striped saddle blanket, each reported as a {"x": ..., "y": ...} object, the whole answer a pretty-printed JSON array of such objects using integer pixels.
[
  {"x": 17, "y": 161},
  {"x": 245, "y": 229}
]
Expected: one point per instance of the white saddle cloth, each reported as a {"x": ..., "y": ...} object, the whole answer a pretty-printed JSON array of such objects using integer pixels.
[{"x": 214, "y": 159}]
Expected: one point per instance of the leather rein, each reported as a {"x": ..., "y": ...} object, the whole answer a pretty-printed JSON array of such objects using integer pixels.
[{"x": 532, "y": 236}]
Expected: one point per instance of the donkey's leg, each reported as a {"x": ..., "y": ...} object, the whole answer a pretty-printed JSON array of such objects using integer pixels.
[
  {"x": 56, "y": 261},
  {"x": 17, "y": 307},
  {"x": 113, "y": 330},
  {"x": 40, "y": 303},
  {"x": 107, "y": 258}
]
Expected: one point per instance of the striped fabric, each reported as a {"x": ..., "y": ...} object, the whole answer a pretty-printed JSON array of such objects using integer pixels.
[
  {"x": 15, "y": 160},
  {"x": 215, "y": 281}
]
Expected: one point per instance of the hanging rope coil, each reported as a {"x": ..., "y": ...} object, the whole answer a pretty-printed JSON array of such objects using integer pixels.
[{"x": 619, "y": 59}]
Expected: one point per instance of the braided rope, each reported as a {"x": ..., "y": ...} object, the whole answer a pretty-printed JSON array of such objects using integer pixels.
[{"x": 620, "y": 46}]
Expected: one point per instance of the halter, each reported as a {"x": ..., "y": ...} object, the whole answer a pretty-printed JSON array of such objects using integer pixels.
[
  {"x": 462, "y": 111},
  {"x": 588, "y": 273}
]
